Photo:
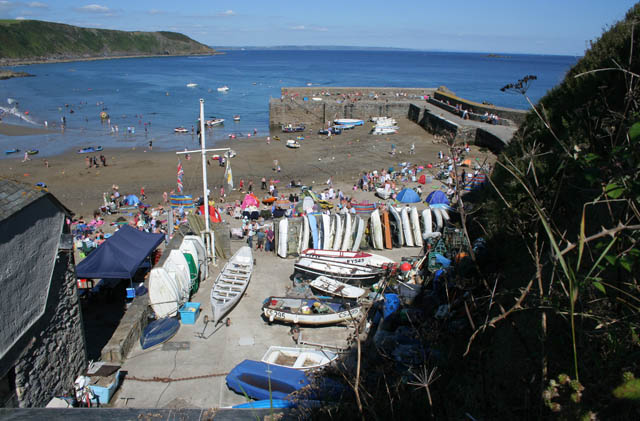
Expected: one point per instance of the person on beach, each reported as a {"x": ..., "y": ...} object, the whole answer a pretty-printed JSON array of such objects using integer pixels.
[
  {"x": 241, "y": 185},
  {"x": 270, "y": 239},
  {"x": 87, "y": 161},
  {"x": 150, "y": 142},
  {"x": 261, "y": 237},
  {"x": 103, "y": 159},
  {"x": 165, "y": 198},
  {"x": 250, "y": 186},
  {"x": 142, "y": 195},
  {"x": 264, "y": 183}
]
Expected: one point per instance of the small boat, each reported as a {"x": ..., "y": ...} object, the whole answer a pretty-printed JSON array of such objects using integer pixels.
[
  {"x": 324, "y": 131},
  {"x": 349, "y": 121},
  {"x": 10, "y": 151},
  {"x": 298, "y": 358},
  {"x": 350, "y": 257},
  {"x": 32, "y": 151},
  {"x": 292, "y": 144},
  {"x": 337, "y": 288},
  {"x": 310, "y": 311},
  {"x": 231, "y": 283},
  {"x": 214, "y": 122},
  {"x": 300, "y": 138},
  {"x": 289, "y": 128},
  {"x": 345, "y": 272},
  {"x": 159, "y": 331},
  {"x": 269, "y": 200},
  {"x": 90, "y": 149},
  {"x": 276, "y": 138},
  {"x": 259, "y": 380},
  {"x": 236, "y": 118},
  {"x": 181, "y": 130},
  {"x": 164, "y": 295},
  {"x": 224, "y": 88},
  {"x": 383, "y": 193},
  {"x": 191, "y": 85}
]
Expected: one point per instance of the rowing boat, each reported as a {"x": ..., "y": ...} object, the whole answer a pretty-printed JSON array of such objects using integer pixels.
[
  {"x": 337, "y": 288},
  {"x": 310, "y": 311},
  {"x": 231, "y": 283},
  {"x": 299, "y": 358}
]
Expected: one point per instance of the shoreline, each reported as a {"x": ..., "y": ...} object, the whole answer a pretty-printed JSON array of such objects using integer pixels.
[
  {"x": 9, "y": 129},
  {"x": 29, "y": 62}
]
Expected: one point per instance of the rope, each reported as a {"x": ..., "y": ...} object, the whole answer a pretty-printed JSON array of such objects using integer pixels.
[{"x": 169, "y": 380}]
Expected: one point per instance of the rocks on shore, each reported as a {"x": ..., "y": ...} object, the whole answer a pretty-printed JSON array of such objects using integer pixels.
[{"x": 8, "y": 74}]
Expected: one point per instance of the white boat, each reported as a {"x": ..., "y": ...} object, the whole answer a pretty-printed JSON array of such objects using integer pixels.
[
  {"x": 406, "y": 227},
  {"x": 283, "y": 230},
  {"x": 236, "y": 118},
  {"x": 339, "y": 289},
  {"x": 306, "y": 233},
  {"x": 181, "y": 130},
  {"x": 398, "y": 220},
  {"x": 337, "y": 240},
  {"x": 376, "y": 230},
  {"x": 191, "y": 85},
  {"x": 427, "y": 225},
  {"x": 383, "y": 193},
  {"x": 298, "y": 358},
  {"x": 231, "y": 283},
  {"x": 349, "y": 257},
  {"x": 214, "y": 122},
  {"x": 438, "y": 215},
  {"x": 326, "y": 231},
  {"x": 292, "y": 144},
  {"x": 224, "y": 88},
  {"x": 346, "y": 234},
  {"x": 349, "y": 121},
  {"x": 342, "y": 271},
  {"x": 415, "y": 225},
  {"x": 358, "y": 233},
  {"x": 383, "y": 131},
  {"x": 310, "y": 311},
  {"x": 177, "y": 267},
  {"x": 202, "y": 254},
  {"x": 163, "y": 293}
]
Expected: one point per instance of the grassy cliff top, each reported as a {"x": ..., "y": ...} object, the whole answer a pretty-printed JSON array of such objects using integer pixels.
[{"x": 33, "y": 40}]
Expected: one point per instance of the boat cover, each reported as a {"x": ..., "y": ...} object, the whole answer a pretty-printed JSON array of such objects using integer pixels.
[
  {"x": 120, "y": 256},
  {"x": 254, "y": 377}
]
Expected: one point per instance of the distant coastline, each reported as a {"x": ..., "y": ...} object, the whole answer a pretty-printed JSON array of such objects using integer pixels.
[{"x": 26, "y": 62}]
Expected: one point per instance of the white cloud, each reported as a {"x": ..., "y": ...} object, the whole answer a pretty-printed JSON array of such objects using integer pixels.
[
  {"x": 227, "y": 13},
  {"x": 94, "y": 8},
  {"x": 309, "y": 28},
  {"x": 155, "y": 12},
  {"x": 298, "y": 28},
  {"x": 20, "y": 18},
  {"x": 38, "y": 5}
]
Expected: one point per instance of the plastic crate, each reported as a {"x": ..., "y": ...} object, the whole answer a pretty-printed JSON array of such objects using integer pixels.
[
  {"x": 103, "y": 394},
  {"x": 189, "y": 313}
]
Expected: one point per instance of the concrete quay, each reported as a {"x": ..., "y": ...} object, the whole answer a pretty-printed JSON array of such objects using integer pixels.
[{"x": 222, "y": 347}]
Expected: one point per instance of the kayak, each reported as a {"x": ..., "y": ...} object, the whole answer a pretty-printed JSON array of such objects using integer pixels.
[
  {"x": 10, "y": 151},
  {"x": 90, "y": 149},
  {"x": 32, "y": 151}
]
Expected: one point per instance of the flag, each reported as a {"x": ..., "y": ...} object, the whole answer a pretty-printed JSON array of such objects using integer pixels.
[
  {"x": 229, "y": 176},
  {"x": 180, "y": 174}
]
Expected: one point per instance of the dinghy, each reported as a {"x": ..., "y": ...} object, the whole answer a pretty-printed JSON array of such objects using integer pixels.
[
  {"x": 298, "y": 358},
  {"x": 310, "y": 311},
  {"x": 337, "y": 241},
  {"x": 346, "y": 234},
  {"x": 163, "y": 293},
  {"x": 358, "y": 233},
  {"x": 399, "y": 237},
  {"x": 177, "y": 267},
  {"x": 438, "y": 215},
  {"x": 305, "y": 233},
  {"x": 313, "y": 227},
  {"x": 415, "y": 225},
  {"x": 386, "y": 229},
  {"x": 326, "y": 231},
  {"x": 349, "y": 257},
  {"x": 259, "y": 380},
  {"x": 406, "y": 227},
  {"x": 339, "y": 289},
  {"x": 159, "y": 331},
  {"x": 10, "y": 151},
  {"x": 342, "y": 271},
  {"x": 427, "y": 224},
  {"x": 283, "y": 228},
  {"x": 231, "y": 283},
  {"x": 202, "y": 254},
  {"x": 376, "y": 230}
]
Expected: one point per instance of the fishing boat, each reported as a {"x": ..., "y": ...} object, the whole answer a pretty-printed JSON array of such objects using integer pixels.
[
  {"x": 348, "y": 121},
  {"x": 231, "y": 283},
  {"x": 310, "y": 311},
  {"x": 32, "y": 151},
  {"x": 350, "y": 257},
  {"x": 10, "y": 151},
  {"x": 191, "y": 85},
  {"x": 159, "y": 331},
  {"x": 259, "y": 380},
  {"x": 236, "y": 118},
  {"x": 342, "y": 271},
  {"x": 214, "y": 122},
  {"x": 90, "y": 149},
  {"x": 289, "y": 128},
  {"x": 339, "y": 289},
  {"x": 292, "y": 144},
  {"x": 224, "y": 88},
  {"x": 180, "y": 130},
  {"x": 298, "y": 358}
]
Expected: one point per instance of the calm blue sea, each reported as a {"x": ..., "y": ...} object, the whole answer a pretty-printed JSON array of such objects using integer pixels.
[{"x": 138, "y": 91}]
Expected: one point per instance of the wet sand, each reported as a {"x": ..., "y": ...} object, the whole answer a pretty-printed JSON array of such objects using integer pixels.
[
  {"x": 15, "y": 130},
  {"x": 344, "y": 157}
]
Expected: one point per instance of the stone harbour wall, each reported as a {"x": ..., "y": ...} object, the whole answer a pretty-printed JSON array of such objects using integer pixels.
[{"x": 56, "y": 352}]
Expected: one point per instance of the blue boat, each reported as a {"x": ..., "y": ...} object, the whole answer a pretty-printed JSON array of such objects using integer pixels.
[
  {"x": 10, "y": 151},
  {"x": 90, "y": 149},
  {"x": 266, "y": 404},
  {"x": 159, "y": 331},
  {"x": 313, "y": 225},
  {"x": 260, "y": 381}
]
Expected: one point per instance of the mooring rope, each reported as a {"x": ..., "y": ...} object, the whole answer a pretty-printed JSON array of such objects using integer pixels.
[{"x": 169, "y": 379}]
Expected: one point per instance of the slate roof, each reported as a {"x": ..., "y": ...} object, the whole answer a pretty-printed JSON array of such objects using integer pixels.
[{"x": 15, "y": 196}]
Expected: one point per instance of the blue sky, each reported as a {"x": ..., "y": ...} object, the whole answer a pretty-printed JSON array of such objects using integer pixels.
[{"x": 515, "y": 26}]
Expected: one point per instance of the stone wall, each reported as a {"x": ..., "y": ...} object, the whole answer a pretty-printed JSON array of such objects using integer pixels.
[
  {"x": 129, "y": 330},
  {"x": 516, "y": 116},
  {"x": 55, "y": 353}
]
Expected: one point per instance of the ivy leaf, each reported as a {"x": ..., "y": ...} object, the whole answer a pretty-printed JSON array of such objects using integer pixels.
[
  {"x": 599, "y": 286},
  {"x": 614, "y": 190},
  {"x": 634, "y": 132},
  {"x": 626, "y": 264}
]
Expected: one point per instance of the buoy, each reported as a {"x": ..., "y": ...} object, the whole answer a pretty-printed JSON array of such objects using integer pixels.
[{"x": 405, "y": 267}]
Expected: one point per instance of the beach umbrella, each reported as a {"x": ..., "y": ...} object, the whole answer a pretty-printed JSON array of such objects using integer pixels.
[{"x": 132, "y": 200}]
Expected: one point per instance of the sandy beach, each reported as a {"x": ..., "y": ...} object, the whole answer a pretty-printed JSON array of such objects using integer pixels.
[{"x": 342, "y": 157}]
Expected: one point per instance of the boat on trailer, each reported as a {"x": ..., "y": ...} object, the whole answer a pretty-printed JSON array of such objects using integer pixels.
[
  {"x": 298, "y": 358},
  {"x": 310, "y": 311},
  {"x": 231, "y": 283}
]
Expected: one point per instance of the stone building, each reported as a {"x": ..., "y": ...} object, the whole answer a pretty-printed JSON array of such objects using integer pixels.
[{"x": 42, "y": 345}]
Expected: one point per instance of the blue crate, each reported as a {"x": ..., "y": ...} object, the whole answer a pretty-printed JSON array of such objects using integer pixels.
[
  {"x": 104, "y": 394},
  {"x": 189, "y": 313}
]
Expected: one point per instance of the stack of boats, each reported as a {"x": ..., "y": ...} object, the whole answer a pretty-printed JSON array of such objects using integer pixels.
[{"x": 384, "y": 126}]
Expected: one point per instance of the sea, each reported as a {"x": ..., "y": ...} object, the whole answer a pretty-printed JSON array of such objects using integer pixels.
[{"x": 148, "y": 97}]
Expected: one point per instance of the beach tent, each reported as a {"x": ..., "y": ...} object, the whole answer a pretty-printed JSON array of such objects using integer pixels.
[
  {"x": 466, "y": 163},
  {"x": 120, "y": 256},
  {"x": 132, "y": 200},
  {"x": 437, "y": 197},
  {"x": 250, "y": 200},
  {"x": 214, "y": 215},
  {"x": 408, "y": 196}
]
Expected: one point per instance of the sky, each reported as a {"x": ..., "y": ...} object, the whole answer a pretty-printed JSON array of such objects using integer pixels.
[{"x": 497, "y": 26}]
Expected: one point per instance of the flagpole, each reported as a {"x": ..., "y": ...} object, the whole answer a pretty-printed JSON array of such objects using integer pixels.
[{"x": 204, "y": 170}]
